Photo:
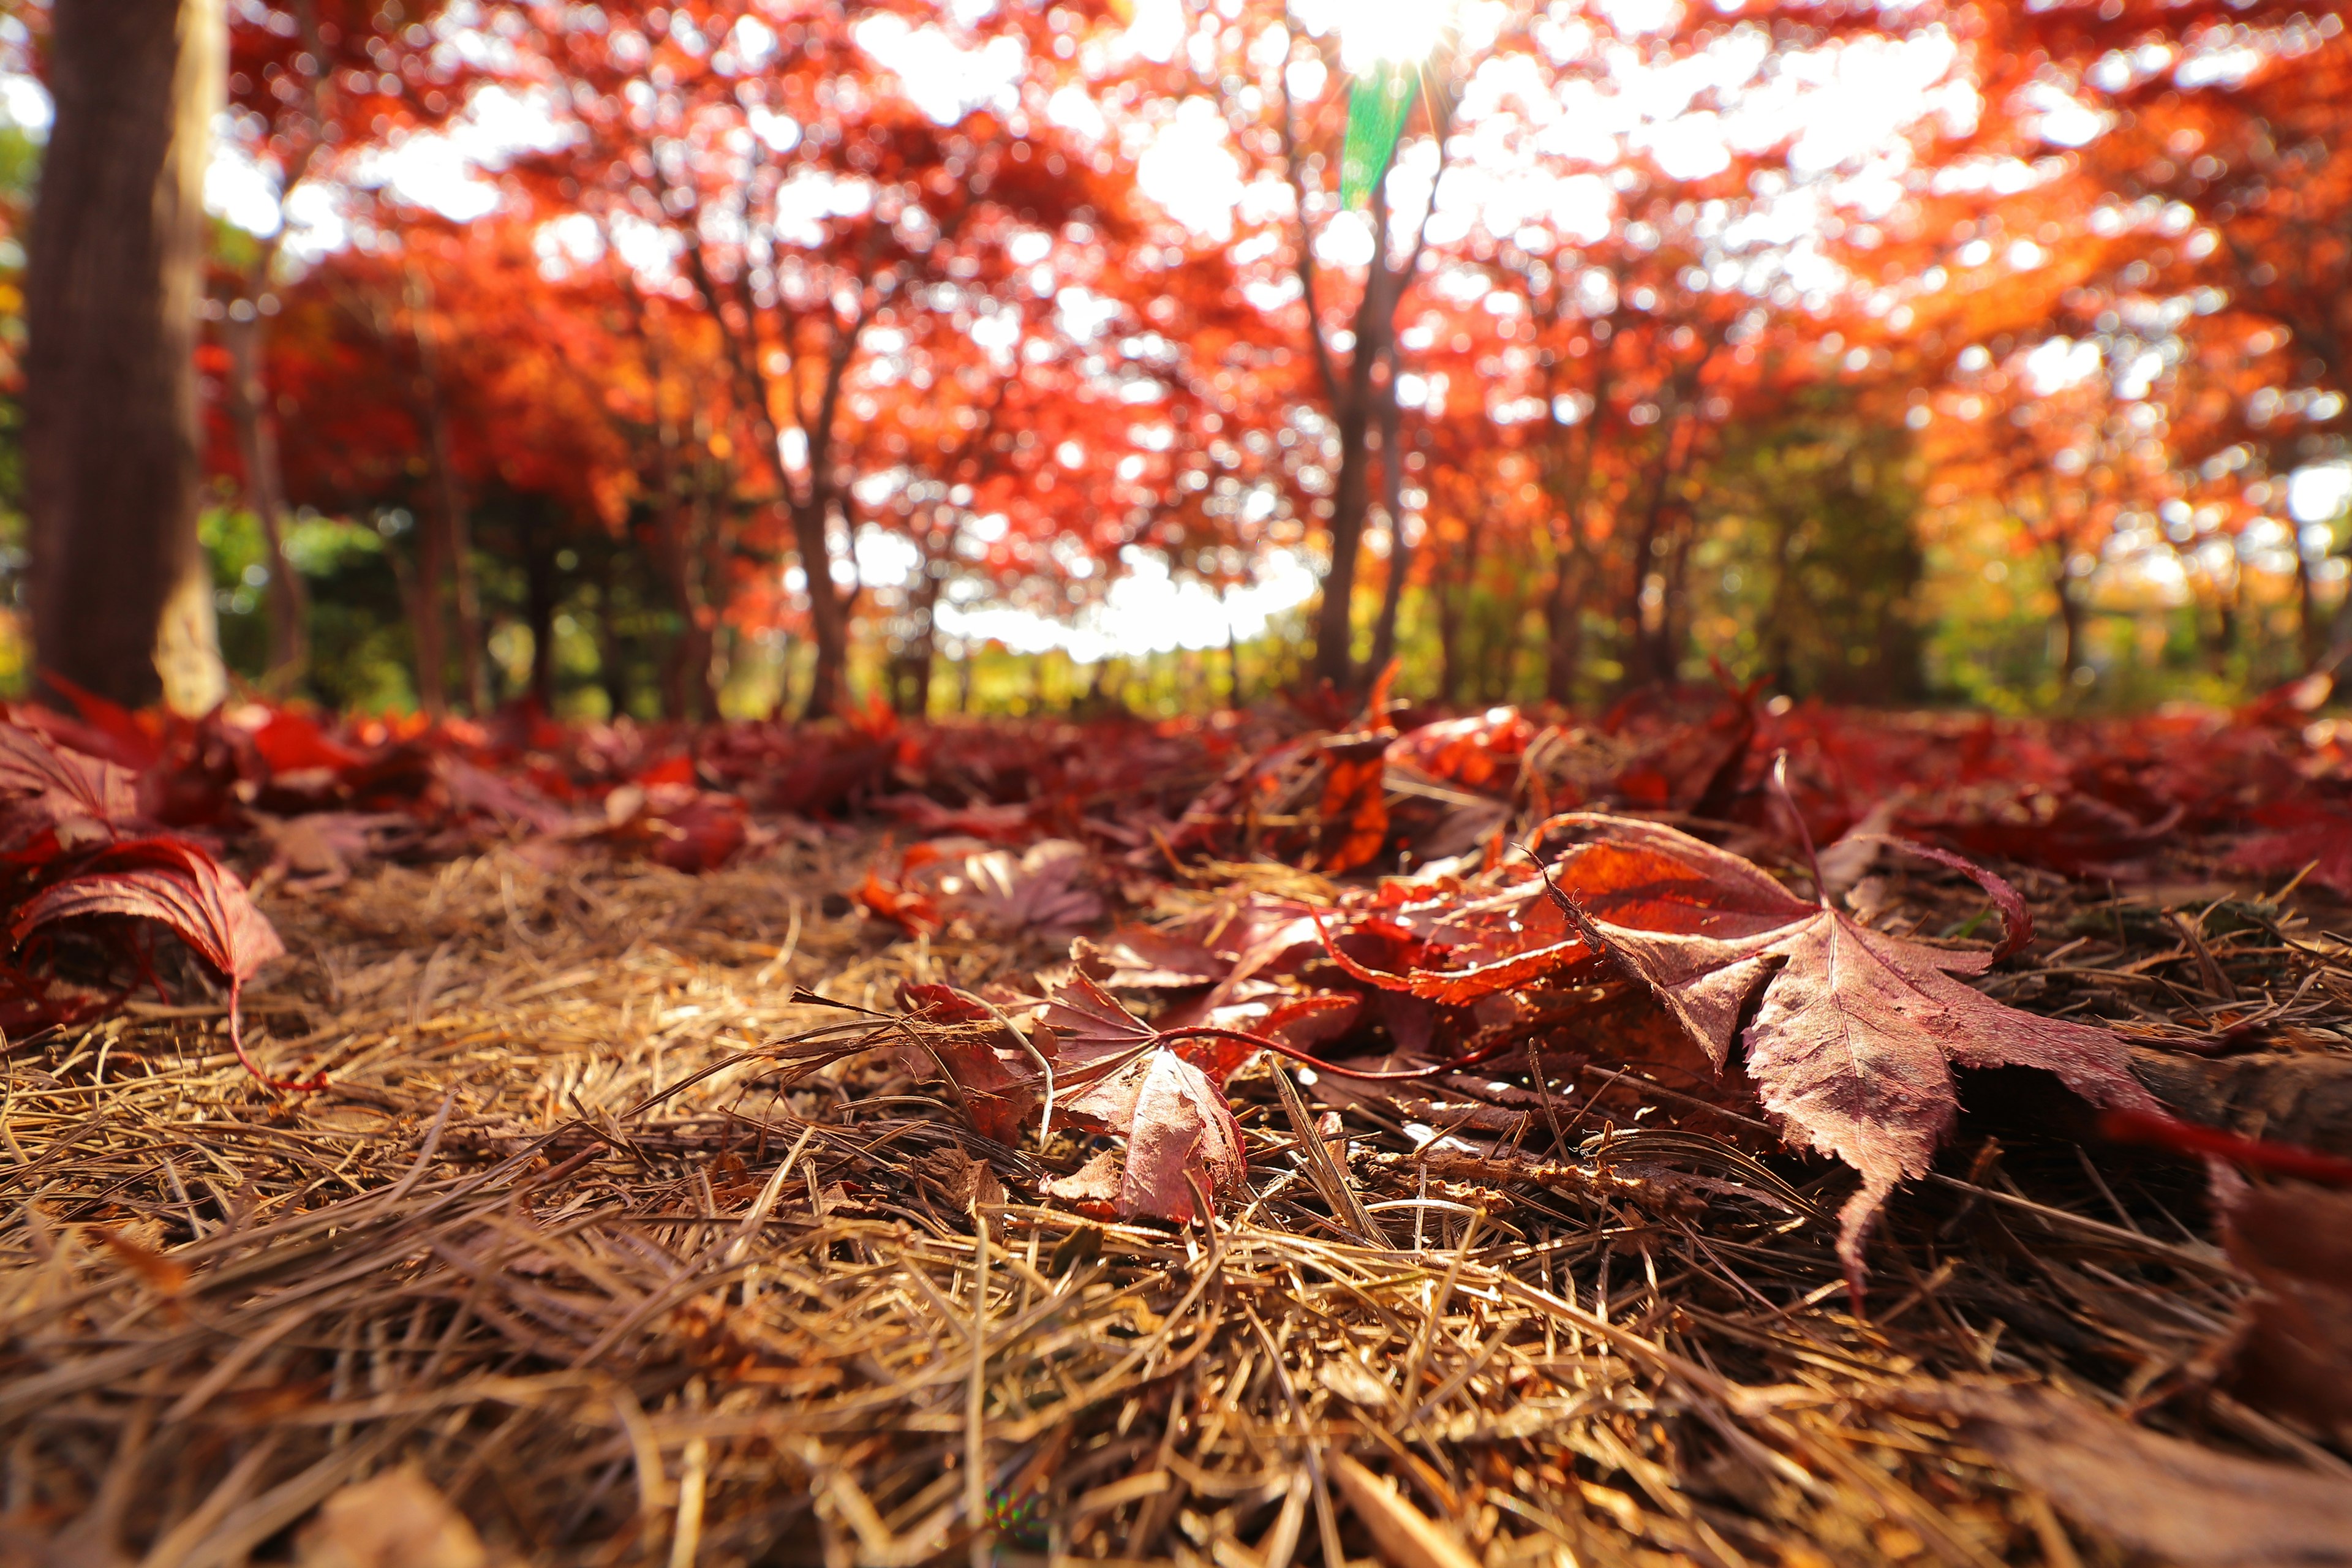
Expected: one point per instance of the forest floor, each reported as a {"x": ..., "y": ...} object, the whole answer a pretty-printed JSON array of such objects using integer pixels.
[{"x": 553, "y": 1235}]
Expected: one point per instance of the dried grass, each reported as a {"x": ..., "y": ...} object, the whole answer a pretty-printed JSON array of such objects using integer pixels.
[{"x": 558, "y": 1235}]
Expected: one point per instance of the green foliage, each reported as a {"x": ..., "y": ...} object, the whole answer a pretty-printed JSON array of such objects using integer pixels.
[
  {"x": 1811, "y": 564},
  {"x": 360, "y": 647}
]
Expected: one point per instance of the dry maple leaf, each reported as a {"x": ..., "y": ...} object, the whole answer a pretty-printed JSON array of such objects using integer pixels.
[
  {"x": 1177, "y": 1129},
  {"x": 176, "y": 883},
  {"x": 1089, "y": 1027},
  {"x": 1164, "y": 1100},
  {"x": 1043, "y": 890},
  {"x": 1852, "y": 1044},
  {"x": 1000, "y": 1086},
  {"x": 85, "y": 799}
]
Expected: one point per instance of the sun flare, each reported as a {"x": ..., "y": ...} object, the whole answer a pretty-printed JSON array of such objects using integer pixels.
[{"x": 1390, "y": 32}]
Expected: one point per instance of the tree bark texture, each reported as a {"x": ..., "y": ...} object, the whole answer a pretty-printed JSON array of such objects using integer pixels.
[
  {"x": 1384, "y": 630},
  {"x": 121, "y": 595}
]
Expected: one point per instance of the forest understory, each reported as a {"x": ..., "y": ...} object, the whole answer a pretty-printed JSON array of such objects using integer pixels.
[{"x": 631, "y": 1169}]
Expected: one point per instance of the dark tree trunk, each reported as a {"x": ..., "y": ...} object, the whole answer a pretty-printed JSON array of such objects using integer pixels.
[
  {"x": 1564, "y": 623},
  {"x": 1233, "y": 657},
  {"x": 121, "y": 596},
  {"x": 1772, "y": 633},
  {"x": 677, "y": 575},
  {"x": 455, "y": 546},
  {"x": 612, "y": 670},
  {"x": 1335, "y": 659},
  {"x": 257, "y": 440},
  {"x": 427, "y": 628},
  {"x": 542, "y": 590},
  {"x": 828, "y": 611},
  {"x": 1384, "y": 630},
  {"x": 710, "y": 606},
  {"x": 1373, "y": 351},
  {"x": 922, "y": 653},
  {"x": 2070, "y": 625},
  {"x": 2311, "y": 628},
  {"x": 1499, "y": 654},
  {"x": 1457, "y": 580},
  {"x": 1664, "y": 656}
]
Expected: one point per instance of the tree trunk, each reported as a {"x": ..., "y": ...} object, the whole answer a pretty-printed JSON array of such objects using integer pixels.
[
  {"x": 264, "y": 492},
  {"x": 1641, "y": 637},
  {"x": 611, "y": 671},
  {"x": 711, "y": 598},
  {"x": 456, "y": 548},
  {"x": 1375, "y": 333},
  {"x": 1233, "y": 655},
  {"x": 426, "y": 626},
  {"x": 540, "y": 592},
  {"x": 1335, "y": 659},
  {"x": 1772, "y": 631},
  {"x": 2070, "y": 625},
  {"x": 1667, "y": 635},
  {"x": 121, "y": 595},
  {"x": 828, "y": 610},
  {"x": 1384, "y": 630},
  {"x": 1457, "y": 580},
  {"x": 1564, "y": 623},
  {"x": 1498, "y": 656},
  {"x": 2311, "y": 630},
  {"x": 922, "y": 657}
]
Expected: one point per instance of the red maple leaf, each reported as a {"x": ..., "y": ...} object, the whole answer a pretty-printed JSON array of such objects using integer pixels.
[
  {"x": 1178, "y": 1129},
  {"x": 999, "y": 1085},
  {"x": 1163, "y": 1099},
  {"x": 81, "y": 796},
  {"x": 1852, "y": 1044},
  {"x": 178, "y": 885}
]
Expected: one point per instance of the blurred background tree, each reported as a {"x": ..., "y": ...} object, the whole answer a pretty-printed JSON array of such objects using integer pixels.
[{"x": 727, "y": 357}]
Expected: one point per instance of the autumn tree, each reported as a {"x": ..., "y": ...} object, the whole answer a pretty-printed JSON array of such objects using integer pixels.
[
  {"x": 311, "y": 85},
  {"x": 2187, "y": 166},
  {"x": 522, "y": 409},
  {"x": 804, "y": 199}
]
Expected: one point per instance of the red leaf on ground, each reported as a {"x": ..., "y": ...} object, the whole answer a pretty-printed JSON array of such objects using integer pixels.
[
  {"x": 1163, "y": 1099},
  {"x": 1089, "y": 1027},
  {"x": 1853, "y": 1044},
  {"x": 117, "y": 727},
  {"x": 1000, "y": 1087},
  {"x": 2296, "y": 833},
  {"x": 1140, "y": 958},
  {"x": 1354, "y": 809},
  {"x": 1177, "y": 1129},
  {"x": 1481, "y": 751},
  {"x": 911, "y": 911},
  {"x": 69, "y": 790},
  {"x": 173, "y": 882},
  {"x": 1041, "y": 890},
  {"x": 293, "y": 742}
]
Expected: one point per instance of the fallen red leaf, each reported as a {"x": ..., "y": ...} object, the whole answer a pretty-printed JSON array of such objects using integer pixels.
[
  {"x": 1178, "y": 1129},
  {"x": 1000, "y": 1086},
  {"x": 80, "y": 796},
  {"x": 1852, "y": 1044},
  {"x": 178, "y": 885},
  {"x": 1164, "y": 1100}
]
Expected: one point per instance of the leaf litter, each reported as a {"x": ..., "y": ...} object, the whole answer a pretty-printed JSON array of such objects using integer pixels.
[{"x": 661, "y": 1200}]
